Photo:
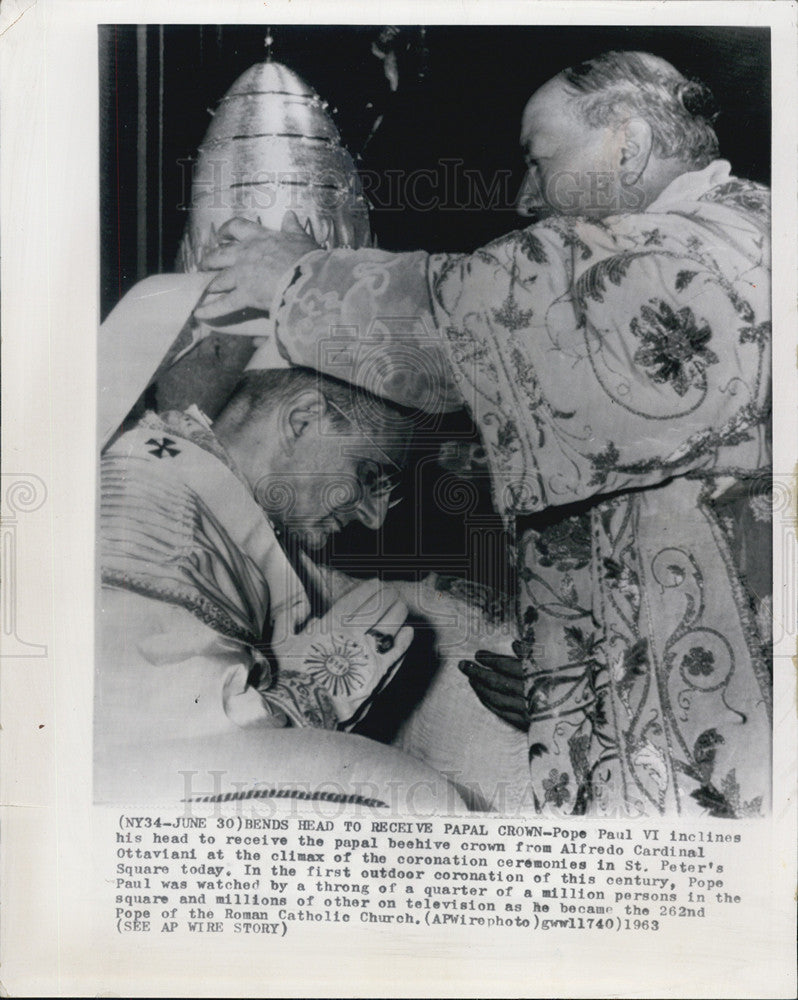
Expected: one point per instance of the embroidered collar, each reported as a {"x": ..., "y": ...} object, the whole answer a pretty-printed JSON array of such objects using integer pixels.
[
  {"x": 690, "y": 186},
  {"x": 194, "y": 426}
]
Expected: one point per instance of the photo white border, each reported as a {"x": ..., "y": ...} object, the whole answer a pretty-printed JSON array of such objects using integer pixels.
[{"x": 54, "y": 938}]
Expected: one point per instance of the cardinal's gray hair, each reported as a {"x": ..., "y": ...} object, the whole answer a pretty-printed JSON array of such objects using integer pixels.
[{"x": 615, "y": 86}]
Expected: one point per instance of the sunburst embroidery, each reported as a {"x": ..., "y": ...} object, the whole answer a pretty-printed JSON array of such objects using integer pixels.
[{"x": 339, "y": 667}]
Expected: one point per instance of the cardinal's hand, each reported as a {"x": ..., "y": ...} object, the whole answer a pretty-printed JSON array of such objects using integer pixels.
[
  {"x": 498, "y": 682},
  {"x": 252, "y": 262}
]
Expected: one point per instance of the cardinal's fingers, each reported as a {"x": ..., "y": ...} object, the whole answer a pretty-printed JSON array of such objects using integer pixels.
[
  {"x": 238, "y": 228},
  {"x": 507, "y": 666},
  {"x": 506, "y": 711},
  {"x": 220, "y": 257},
  {"x": 509, "y": 708},
  {"x": 489, "y": 679}
]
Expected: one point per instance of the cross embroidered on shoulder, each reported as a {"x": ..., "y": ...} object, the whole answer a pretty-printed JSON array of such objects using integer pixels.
[{"x": 163, "y": 447}]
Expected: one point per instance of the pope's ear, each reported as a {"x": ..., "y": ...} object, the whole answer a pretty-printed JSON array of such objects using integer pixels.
[
  {"x": 636, "y": 143},
  {"x": 302, "y": 414}
]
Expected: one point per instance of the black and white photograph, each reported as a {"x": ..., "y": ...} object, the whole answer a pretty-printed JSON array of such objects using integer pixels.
[
  {"x": 434, "y": 391},
  {"x": 398, "y": 519}
]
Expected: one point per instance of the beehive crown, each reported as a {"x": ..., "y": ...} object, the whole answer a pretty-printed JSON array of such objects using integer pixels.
[{"x": 271, "y": 146}]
